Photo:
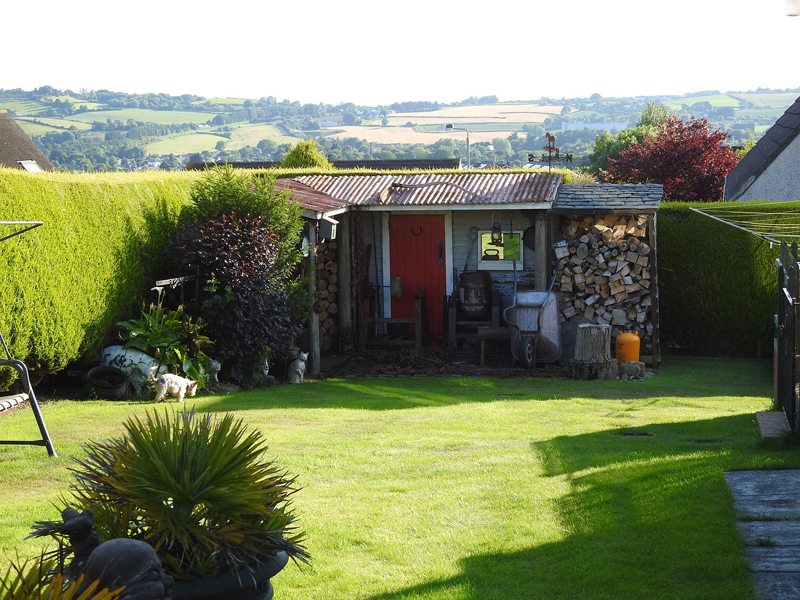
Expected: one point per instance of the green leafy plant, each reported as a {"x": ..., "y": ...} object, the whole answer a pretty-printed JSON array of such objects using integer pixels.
[
  {"x": 196, "y": 488},
  {"x": 169, "y": 336},
  {"x": 34, "y": 580}
]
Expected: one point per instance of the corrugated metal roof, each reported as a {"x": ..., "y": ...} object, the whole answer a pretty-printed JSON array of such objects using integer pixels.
[
  {"x": 437, "y": 189},
  {"x": 644, "y": 197},
  {"x": 309, "y": 198}
]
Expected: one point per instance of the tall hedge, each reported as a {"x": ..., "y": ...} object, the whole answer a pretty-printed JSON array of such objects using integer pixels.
[
  {"x": 717, "y": 284},
  {"x": 65, "y": 283}
]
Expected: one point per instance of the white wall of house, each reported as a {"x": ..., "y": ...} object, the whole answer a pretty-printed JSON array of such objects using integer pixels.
[{"x": 781, "y": 179}]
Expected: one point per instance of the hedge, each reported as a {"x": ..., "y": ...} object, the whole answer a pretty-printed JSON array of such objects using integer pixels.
[
  {"x": 717, "y": 284},
  {"x": 65, "y": 283}
]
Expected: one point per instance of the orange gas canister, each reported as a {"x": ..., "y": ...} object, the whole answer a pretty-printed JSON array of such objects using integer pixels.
[{"x": 627, "y": 346}]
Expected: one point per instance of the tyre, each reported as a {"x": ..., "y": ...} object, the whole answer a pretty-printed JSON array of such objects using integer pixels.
[{"x": 526, "y": 352}]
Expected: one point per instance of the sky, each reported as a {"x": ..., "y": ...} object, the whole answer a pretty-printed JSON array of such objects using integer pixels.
[{"x": 373, "y": 53}]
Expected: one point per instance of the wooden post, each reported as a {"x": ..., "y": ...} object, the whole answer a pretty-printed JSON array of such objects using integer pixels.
[
  {"x": 593, "y": 354},
  {"x": 345, "y": 289},
  {"x": 542, "y": 268},
  {"x": 313, "y": 320}
]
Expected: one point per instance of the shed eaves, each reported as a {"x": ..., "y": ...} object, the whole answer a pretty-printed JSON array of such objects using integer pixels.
[
  {"x": 310, "y": 199},
  {"x": 766, "y": 150},
  {"x": 15, "y": 145},
  {"x": 600, "y": 197},
  {"x": 439, "y": 189}
]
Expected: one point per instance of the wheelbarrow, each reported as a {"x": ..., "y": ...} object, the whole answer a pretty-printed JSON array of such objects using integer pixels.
[{"x": 534, "y": 327}]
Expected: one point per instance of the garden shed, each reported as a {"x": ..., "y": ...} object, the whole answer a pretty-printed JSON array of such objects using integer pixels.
[{"x": 397, "y": 235}]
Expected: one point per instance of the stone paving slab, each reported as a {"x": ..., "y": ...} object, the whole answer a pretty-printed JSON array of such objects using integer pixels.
[
  {"x": 777, "y": 586},
  {"x": 773, "y": 543},
  {"x": 781, "y": 533}
]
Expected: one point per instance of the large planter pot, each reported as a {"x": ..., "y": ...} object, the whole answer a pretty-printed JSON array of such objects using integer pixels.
[
  {"x": 109, "y": 383},
  {"x": 244, "y": 584}
]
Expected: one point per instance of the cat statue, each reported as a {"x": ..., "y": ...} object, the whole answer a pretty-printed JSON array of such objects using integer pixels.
[
  {"x": 297, "y": 369},
  {"x": 169, "y": 383}
]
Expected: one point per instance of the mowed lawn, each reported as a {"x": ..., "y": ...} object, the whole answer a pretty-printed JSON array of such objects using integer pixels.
[{"x": 461, "y": 488}]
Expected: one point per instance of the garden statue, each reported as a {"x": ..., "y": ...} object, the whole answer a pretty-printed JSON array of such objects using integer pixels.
[
  {"x": 135, "y": 363},
  {"x": 115, "y": 563},
  {"x": 212, "y": 370},
  {"x": 297, "y": 369},
  {"x": 130, "y": 563}
]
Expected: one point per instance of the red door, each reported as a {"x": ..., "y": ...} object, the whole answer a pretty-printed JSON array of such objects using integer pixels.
[{"x": 417, "y": 256}]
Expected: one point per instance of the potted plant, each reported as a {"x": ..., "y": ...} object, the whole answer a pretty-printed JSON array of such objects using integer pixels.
[{"x": 198, "y": 489}]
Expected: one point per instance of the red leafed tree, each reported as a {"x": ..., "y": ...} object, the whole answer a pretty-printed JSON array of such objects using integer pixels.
[{"x": 687, "y": 157}]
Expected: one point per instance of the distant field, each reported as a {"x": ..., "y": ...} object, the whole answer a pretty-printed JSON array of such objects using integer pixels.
[
  {"x": 76, "y": 101},
  {"x": 781, "y": 100},
  {"x": 407, "y": 135},
  {"x": 163, "y": 117},
  {"x": 495, "y": 113},
  {"x": 185, "y": 144},
  {"x": 718, "y": 100},
  {"x": 221, "y": 101},
  {"x": 250, "y": 135},
  {"x": 35, "y": 128},
  {"x": 760, "y": 113},
  {"x": 476, "y": 127},
  {"x": 67, "y": 123},
  {"x": 22, "y": 106}
]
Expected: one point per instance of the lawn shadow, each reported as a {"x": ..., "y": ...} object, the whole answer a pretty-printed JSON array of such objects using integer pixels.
[
  {"x": 649, "y": 515},
  {"x": 681, "y": 378}
]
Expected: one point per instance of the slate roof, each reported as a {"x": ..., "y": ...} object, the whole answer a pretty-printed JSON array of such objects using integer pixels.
[
  {"x": 766, "y": 150},
  {"x": 15, "y": 145},
  {"x": 609, "y": 197},
  {"x": 486, "y": 189}
]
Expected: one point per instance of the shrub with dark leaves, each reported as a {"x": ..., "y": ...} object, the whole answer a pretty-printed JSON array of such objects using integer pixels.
[{"x": 246, "y": 302}]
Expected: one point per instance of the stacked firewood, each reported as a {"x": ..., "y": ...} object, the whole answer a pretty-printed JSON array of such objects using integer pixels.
[
  {"x": 604, "y": 274},
  {"x": 327, "y": 305}
]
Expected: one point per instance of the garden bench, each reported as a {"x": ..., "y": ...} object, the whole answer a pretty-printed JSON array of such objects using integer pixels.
[{"x": 12, "y": 400}]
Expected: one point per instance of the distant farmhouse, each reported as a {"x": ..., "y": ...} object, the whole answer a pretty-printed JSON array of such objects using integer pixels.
[
  {"x": 17, "y": 150},
  {"x": 771, "y": 170}
]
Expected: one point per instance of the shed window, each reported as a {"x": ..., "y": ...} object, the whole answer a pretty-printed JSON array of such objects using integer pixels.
[{"x": 500, "y": 257}]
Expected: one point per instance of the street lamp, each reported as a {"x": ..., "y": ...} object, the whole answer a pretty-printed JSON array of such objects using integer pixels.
[
  {"x": 494, "y": 159},
  {"x": 449, "y": 127},
  {"x": 793, "y": 8}
]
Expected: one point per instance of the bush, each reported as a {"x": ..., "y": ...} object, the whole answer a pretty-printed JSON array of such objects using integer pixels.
[
  {"x": 67, "y": 282},
  {"x": 717, "y": 285},
  {"x": 253, "y": 302}
]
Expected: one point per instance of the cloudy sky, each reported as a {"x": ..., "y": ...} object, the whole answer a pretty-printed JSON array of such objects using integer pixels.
[{"x": 378, "y": 53}]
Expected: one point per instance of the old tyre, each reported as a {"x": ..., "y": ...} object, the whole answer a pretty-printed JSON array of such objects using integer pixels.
[{"x": 526, "y": 352}]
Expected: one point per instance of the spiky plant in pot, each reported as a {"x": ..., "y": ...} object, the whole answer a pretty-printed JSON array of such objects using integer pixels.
[{"x": 195, "y": 487}]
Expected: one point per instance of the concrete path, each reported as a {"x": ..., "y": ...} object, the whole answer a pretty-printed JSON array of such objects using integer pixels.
[{"x": 768, "y": 503}]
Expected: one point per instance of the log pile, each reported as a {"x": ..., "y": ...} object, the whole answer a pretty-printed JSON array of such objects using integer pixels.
[
  {"x": 604, "y": 274},
  {"x": 327, "y": 305}
]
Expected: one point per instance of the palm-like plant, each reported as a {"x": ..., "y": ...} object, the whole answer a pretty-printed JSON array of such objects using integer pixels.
[
  {"x": 196, "y": 488},
  {"x": 34, "y": 580}
]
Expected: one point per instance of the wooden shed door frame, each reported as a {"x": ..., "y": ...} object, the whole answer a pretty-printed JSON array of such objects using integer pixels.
[{"x": 448, "y": 254}]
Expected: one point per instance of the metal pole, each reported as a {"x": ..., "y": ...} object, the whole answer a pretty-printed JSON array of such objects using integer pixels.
[{"x": 469, "y": 163}]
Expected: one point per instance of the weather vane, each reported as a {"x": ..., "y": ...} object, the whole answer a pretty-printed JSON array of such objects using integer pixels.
[{"x": 552, "y": 153}]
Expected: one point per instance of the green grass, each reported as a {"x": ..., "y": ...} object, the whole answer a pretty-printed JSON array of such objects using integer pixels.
[
  {"x": 56, "y": 123},
  {"x": 185, "y": 144},
  {"x": 782, "y": 100},
  {"x": 478, "y": 489},
  {"x": 221, "y": 101},
  {"x": 163, "y": 117},
  {"x": 771, "y": 114},
  {"x": 32, "y": 128},
  {"x": 250, "y": 135},
  {"x": 12, "y": 103},
  {"x": 718, "y": 100}
]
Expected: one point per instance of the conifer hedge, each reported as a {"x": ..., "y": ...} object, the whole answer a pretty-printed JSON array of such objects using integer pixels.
[
  {"x": 717, "y": 284},
  {"x": 65, "y": 283}
]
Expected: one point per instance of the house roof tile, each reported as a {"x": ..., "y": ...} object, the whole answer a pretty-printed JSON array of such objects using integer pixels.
[
  {"x": 596, "y": 197},
  {"x": 766, "y": 150},
  {"x": 15, "y": 145}
]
